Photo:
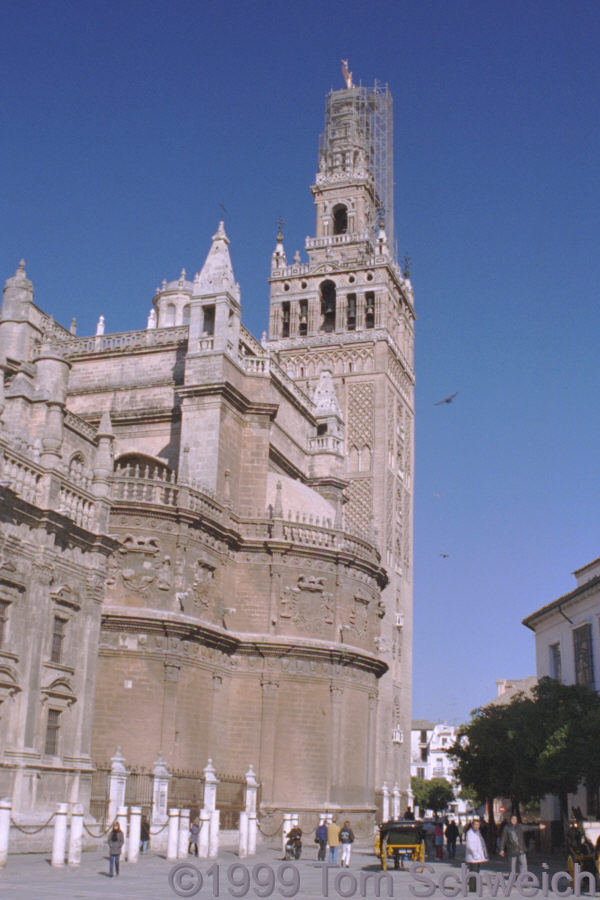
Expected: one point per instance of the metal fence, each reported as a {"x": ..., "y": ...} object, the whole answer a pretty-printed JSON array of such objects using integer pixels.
[{"x": 186, "y": 791}]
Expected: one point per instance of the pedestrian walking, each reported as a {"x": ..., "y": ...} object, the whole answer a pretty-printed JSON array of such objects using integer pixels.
[
  {"x": 144, "y": 834},
  {"x": 193, "y": 838},
  {"x": 347, "y": 839},
  {"x": 115, "y": 842},
  {"x": 321, "y": 839},
  {"x": 475, "y": 851},
  {"x": 451, "y": 836},
  {"x": 333, "y": 839},
  {"x": 438, "y": 840},
  {"x": 512, "y": 842}
]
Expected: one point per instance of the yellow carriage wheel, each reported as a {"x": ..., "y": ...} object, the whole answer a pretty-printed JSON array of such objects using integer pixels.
[
  {"x": 422, "y": 851},
  {"x": 384, "y": 858},
  {"x": 570, "y": 865}
]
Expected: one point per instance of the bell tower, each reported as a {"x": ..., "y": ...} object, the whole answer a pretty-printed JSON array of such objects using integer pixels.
[{"x": 349, "y": 309}]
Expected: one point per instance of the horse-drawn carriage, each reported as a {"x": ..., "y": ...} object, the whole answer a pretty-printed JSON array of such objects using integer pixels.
[
  {"x": 583, "y": 844},
  {"x": 399, "y": 840}
]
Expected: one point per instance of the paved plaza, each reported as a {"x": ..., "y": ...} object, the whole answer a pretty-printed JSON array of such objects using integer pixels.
[{"x": 30, "y": 876}]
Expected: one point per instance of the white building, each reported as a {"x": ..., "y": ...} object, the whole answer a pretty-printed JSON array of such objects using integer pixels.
[
  {"x": 429, "y": 746},
  {"x": 567, "y": 647}
]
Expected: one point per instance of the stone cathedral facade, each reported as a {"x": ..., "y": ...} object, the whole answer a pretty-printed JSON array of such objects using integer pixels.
[{"x": 206, "y": 540}]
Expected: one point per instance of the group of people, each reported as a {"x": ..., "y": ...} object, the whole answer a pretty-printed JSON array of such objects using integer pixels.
[
  {"x": 335, "y": 837},
  {"x": 512, "y": 844}
]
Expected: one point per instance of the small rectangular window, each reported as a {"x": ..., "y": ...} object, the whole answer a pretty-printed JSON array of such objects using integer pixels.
[
  {"x": 555, "y": 662},
  {"x": 369, "y": 309},
  {"x": 4, "y": 606},
  {"x": 424, "y": 754},
  {"x": 285, "y": 316},
  {"x": 52, "y": 729},
  {"x": 584, "y": 662},
  {"x": 208, "y": 320},
  {"x": 351, "y": 312},
  {"x": 303, "y": 326},
  {"x": 58, "y": 637}
]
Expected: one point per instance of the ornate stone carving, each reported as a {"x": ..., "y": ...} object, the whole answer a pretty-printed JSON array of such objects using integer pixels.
[{"x": 308, "y": 605}]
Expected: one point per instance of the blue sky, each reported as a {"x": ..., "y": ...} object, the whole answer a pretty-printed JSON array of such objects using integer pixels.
[{"x": 126, "y": 124}]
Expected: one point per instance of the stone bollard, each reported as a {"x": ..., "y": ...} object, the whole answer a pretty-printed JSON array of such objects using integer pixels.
[
  {"x": 76, "y": 835},
  {"x": 203, "y": 837},
  {"x": 395, "y": 801},
  {"x": 213, "y": 845},
  {"x": 173, "y": 834},
  {"x": 243, "y": 848},
  {"x": 122, "y": 820},
  {"x": 385, "y": 802},
  {"x": 287, "y": 819},
  {"x": 59, "y": 841},
  {"x": 117, "y": 784},
  {"x": 135, "y": 824},
  {"x": 252, "y": 827},
  {"x": 5, "y": 809},
  {"x": 184, "y": 834}
]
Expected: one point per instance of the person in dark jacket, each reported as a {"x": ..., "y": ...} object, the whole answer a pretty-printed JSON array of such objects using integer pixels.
[
  {"x": 512, "y": 842},
  {"x": 115, "y": 842},
  {"x": 144, "y": 834},
  {"x": 451, "y": 836},
  {"x": 321, "y": 838},
  {"x": 347, "y": 839}
]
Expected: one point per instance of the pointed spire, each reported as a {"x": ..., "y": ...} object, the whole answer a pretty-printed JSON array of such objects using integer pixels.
[
  {"x": 105, "y": 428},
  {"x": 217, "y": 272}
]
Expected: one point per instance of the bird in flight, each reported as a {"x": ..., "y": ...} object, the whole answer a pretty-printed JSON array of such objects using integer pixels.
[
  {"x": 446, "y": 399},
  {"x": 444, "y": 555}
]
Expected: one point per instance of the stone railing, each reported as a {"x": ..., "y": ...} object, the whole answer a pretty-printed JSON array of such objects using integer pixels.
[
  {"x": 250, "y": 341},
  {"x": 253, "y": 365},
  {"x": 335, "y": 240},
  {"x": 20, "y": 474},
  {"x": 325, "y": 443},
  {"x": 126, "y": 340},
  {"x": 136, "y": 489},
  {"x": 76, "y": 423},
  {"x": 78, "y": 505},
  {"x": 295, "y": 528},
  {"x": 291, "y": 385}
]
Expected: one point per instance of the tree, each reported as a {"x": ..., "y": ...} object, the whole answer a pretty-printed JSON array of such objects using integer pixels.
[
  {"x": 441, "y": 794},
  {"x": 535, "y": 745},
  {"x": 435, "y": 794}
]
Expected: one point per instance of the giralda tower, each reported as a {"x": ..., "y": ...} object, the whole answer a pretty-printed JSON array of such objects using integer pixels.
[{"x": 350, "y": 309}]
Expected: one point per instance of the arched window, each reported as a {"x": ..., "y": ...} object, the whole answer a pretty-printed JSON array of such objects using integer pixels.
[
  {"x": 169, "y": 316},
  {"x": 185, "y": 318},
  {"x": 340, "y": 219},
  {"x": 328, "y": 306}
]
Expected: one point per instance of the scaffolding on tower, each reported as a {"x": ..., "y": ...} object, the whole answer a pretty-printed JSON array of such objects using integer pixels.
[{"x": 361, "y": 119}]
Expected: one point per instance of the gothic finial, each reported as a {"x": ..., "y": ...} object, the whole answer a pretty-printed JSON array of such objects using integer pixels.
[
  {"x": 280, "y": 223},
  {"x": 407, "y": 261},
  {"x": 21, "y": 267}
]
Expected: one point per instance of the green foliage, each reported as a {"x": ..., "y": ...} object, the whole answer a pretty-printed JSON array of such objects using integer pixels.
[
  {"x": 532, "y": 746},
  {"x": 434, "y": 794}
]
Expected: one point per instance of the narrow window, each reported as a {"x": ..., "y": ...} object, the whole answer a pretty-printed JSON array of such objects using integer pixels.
[
  {"x": 208, "y": 322},
  {"x": 328, "y": 306},
  {"x": 58, "y": 637},
  {"x": 423, "y": 754},
  {"x": 555, "y": 662},
  {"x": 303, "y": 317},
  {"x": 52, "y": 729},
  {"x": 285, "y": 319},
  {"x": 582, "y": 648},
  {"x": 185, "y": 316},
  {"x": 4, "y": 605},
  {"x": 369, "y": 309},
  {"x": 340, "y": 219},
  {"x": 351, "y": 314}
]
